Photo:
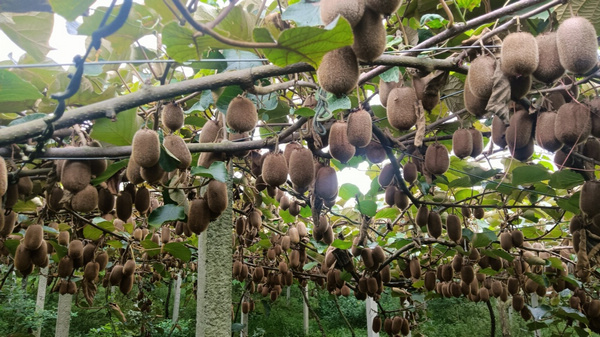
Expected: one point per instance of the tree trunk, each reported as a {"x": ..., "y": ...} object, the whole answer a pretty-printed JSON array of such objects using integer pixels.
[
  {"x": 41, "y": 298},
  {"x": 177, "y": 299},
  {"x": 63, "y": 316},
  {"x": 213, "y": 312}
]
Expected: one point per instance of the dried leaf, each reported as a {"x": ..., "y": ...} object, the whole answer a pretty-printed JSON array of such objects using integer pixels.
[
  {"x": 498, "y": 102},
  {"x": 421, "y": 125}
]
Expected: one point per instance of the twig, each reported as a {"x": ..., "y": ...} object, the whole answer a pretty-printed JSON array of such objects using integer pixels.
[
  {"x": 314, "y": 314},
  {"x": 492, "y": 319}
]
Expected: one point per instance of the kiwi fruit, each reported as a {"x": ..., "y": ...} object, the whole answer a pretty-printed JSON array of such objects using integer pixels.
[
  {"x": 75, "y": 249},
  {"x": 401, "y": 108},
  {"x": 25, "y": 186},
  {"x": 126, "y": 284},
  {"x": 415, "y": 268},
  {"x": 12, "y": 196},
  {"x": 63, "y": 238},
  {"x": 338, "y": 72},
  {"x": 593, "y": 310},
  {"x": 481, "y": 76},
  {"x": 519, "y": 86},
  {"x": 328, "y": 236},
  {"x": 386, "y": 175},
  {"x": 369, "y": 36},
  {"x": 34, "y": 237},
  {"x": 326, "y": 183},
  {"x": 477, "y": 142},
  {"x": 106, "y": 201},
  {"x": 409, "y": 172},
  {"x": 54, "y": 197},
  {"x": 172, "y": 116},
  {"x": 133, "y": 172},
  {"x": 85, "y": 200},
  {"x": 176, "y": 145},
  {"x": 517, "y": 238},
  {"x": 506, "y": 241},
  {"x": 401, "y": 199},
  {"x": 152, "y": 174},
  {"x": 518, "y": 302},
  {"x": 116, "y": 275},
  {"x": 591, "y": 148},
  {"x": 590, "y": 192},
  {"x": 124, "y": 206},
  {"x": 544, "y": 131},
  {"x": 3, "y": 177},
  {"x": 65, "y": 267},
  {"x": 523, "y": 153},
  {"x": 453, "y": 227},
  {"x": 211, "y": 132},
  {"x": 22, "y": 260},
  {"x": 145, "y": 148},
  {"x": 339, "y": 145},
  {"x": 301, "y": 168},
  {"x": 385, "y": 7},
  {"x": 76, "y": 175},
  {"x": 376, "y": 324},
  {"x": 199, "y": 216},
  {"x": 91, "y": 271},
  {"x": 549, "y": 68},
  {"x": 385, "y": 88},
  {"x": 573, "y": 123},
  {"x": 594, "y": 105},
  {"x": 422, "y": 216},
  {"x": 274, "y": 169},
  {"x": 434, "y": 224},
  {"x": 241, "y": 115},
  {"x": 519, "y": 133},
  {"x": 295, "y": 208},
  {"x": 289, "y": 149},
  {"x": 562, "y": 159},
  {"x": 462, "y": 143},
  {"x": 39, "y": 257},
  {"x": 129, "y": 267},
  {"x": 216, "y": 196},
  {"x": 430, "y": 280},
  {"x": 499, "y": 132},
  {"x": 359, "y": 129},
  {"x": 577, "y": 45},
  {"x": 467, "y": 273},
  {"x": 102, "y": 259},
  {"x": 519, "y": 54},
  {"x": 142, "y": 200},
  {"x": 351, "y": 10},
  {"x": 475, "y": 105},
  {"x": 436, "y": 159}
]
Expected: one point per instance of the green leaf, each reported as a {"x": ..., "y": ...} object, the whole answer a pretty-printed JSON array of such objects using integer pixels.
[
  {"x": 348, "y": 191},
  {"x": 539, "y": 279},
  {"x": 17, "y": 95},
  {"x": 118, "y": 132},
  {"x": 30, "y": 31},
  {"x": 286, "y": 216},
  {"x": 335, "y": 103},
  {"x": 151, "y": 248},
  {"x": 92, "y": 233},
  {"x": 303, "y": 14},
  {"x": 305, "y": 112},
  {"x": 216, "y": 171},
  {"x": 178, "y": 250},
  {"x": 391, "y": 75},
  {"x": 11, "y": 245},
  {"x": 306, "y": 44},
  {"x": 237, "y": 327},
  {"x": 367, "y": 207},
  {"x": 165, "y": 213},
  {"x": 468, "y": 4},
  {"x": 570, "y": 204},
  {"x": 341, "y": 244},
  {"x": 180, "y": 42},
  {"x": 167, "y": 160},
  {"x": 571, "y": 313},
  {"x": 110, "y": 171},
  {"x": 70, "y": 9},
  {"x": 529, "y": 174},
  {"x": 387, "y": 213},
  {"x": 227, "y": 95},
  {"x": 59, "y": 249},
  {"x": 484, "y": 238},
  {"x": 565, "y": 179},
  {"x": 310, "y": 265}
]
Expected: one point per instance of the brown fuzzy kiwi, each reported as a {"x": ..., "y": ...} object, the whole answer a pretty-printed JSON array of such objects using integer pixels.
[
  {"x": 91, "y": 271},
  {"x": 75, "y": 249},
  {"x": 409, "y": 172},
  {"x": 25, "y": 186},
  {"x": 338, "y": 72},
  {"x": 359, "y": 128},
  {"x": 519, "y": 133},
  {"x": 326, "y": 183},
  {"x": 593, "y": 310},
  {"x": 422, "y": 216},
  {"x": 12, "y": 196},
  {"x": 176, "y": 145},
  {"x": 142, "y": 200},
  {"x": 7, "y": 223},
  {"x": 328, "y": 236},
  {"x": 63, "y": 238},
  {"x": 453, "y": 227},
  {"x": 54, "y": 198},
  {"x": 576, "y": 223},
  {"x": 523, "y": 153},
  {"x": 401, "y": 199},
  {"x": 124, "y": 206},
  {"x": 145, "y": 148},
  {"x": 216, "y": 196},
  {"x": 301, "y": 168},
  {"x": 387, "y": 326},
  {"x": 133, "y": 172},
  {"x": 577, "y": 45},
  {"x": 372, "y": 285},
  {"x": 22, "y": 260},
  {"x": 274, "y": 169},
  {"x": 376, "y": 324},
  {"x": 369, "y": 36},
  {"x": 385, "y": 273},
  {"x": 499, "y": 132},
  {"x": 289, "y": 149},
  {"x": 76, "y": 175},
  {"x": 594, "y": 105},
  {"x": 172, "y": 116},
  {"x": 573, "y": 123},
  {"x": 415, "y": 268},
  {"x": 590, "y": 192},
  {"x": 386, "y": 176},
  {"x": 351, "y": 10},
  {"x": 385, "y": 88},
  {"x": 481, "y": 76},
  {"x": 396, "y": 325},
  {"x": 295, "y": 208},
  {"x": 3, "y": 177},
  {"x": 378, "y": 256},
  {"x": 85, "y": 200},
  {"x": 39, "y": 257},
  {"x": 467, "y": 273},
  {"x": 530, "y": 286},
  {"x": 129, "y": 267},
  {"x": 211, "y": 132},
  {"x": 434, "y": 224},
  {"x": 34, "y": 237},
  {"x": 563, "y": 160},
  {"x": 591, "y": 148},
  {"x": 462, "y": 143},
  {"x": 544, "y": 131},
  {"x": 116, "y": 275},
  {"x": 477, "y": 142},
  {"x": 65, "y": 267},
  {"x": 447, "y": 273},
  {"x": 519, "y": 54},
  {"x": 126, "y": 284},
  {"x": 102, "y": 259},
  {"x": 549, "y": 68},
  {"x": 385, "y": 7},
  {"x": 152, "y": 174},
  {"x": 519, "y": 86},
  {"x": 475, "y": 105},
  {"x": 241, "y": 115},
  {"x": 401, "y": 108},
  {"x": 106, "y": 201},
  {"x": 506, "y": 241},
  {"x": 517, "y": 238},
  {"x": 430, "y": 280},
  {"x": 339, "y": 146},
  {"x": 437, "y": 160},
  {"x": 198, "y": 216}
]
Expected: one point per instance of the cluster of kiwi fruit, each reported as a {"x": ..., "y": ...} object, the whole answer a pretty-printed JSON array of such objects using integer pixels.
[
  {"x": 393, "y": 326},
  {"x": 467, "y": 142},
  {"x": 32, "y": 251},
  {"x": 339, "y": 69}
]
